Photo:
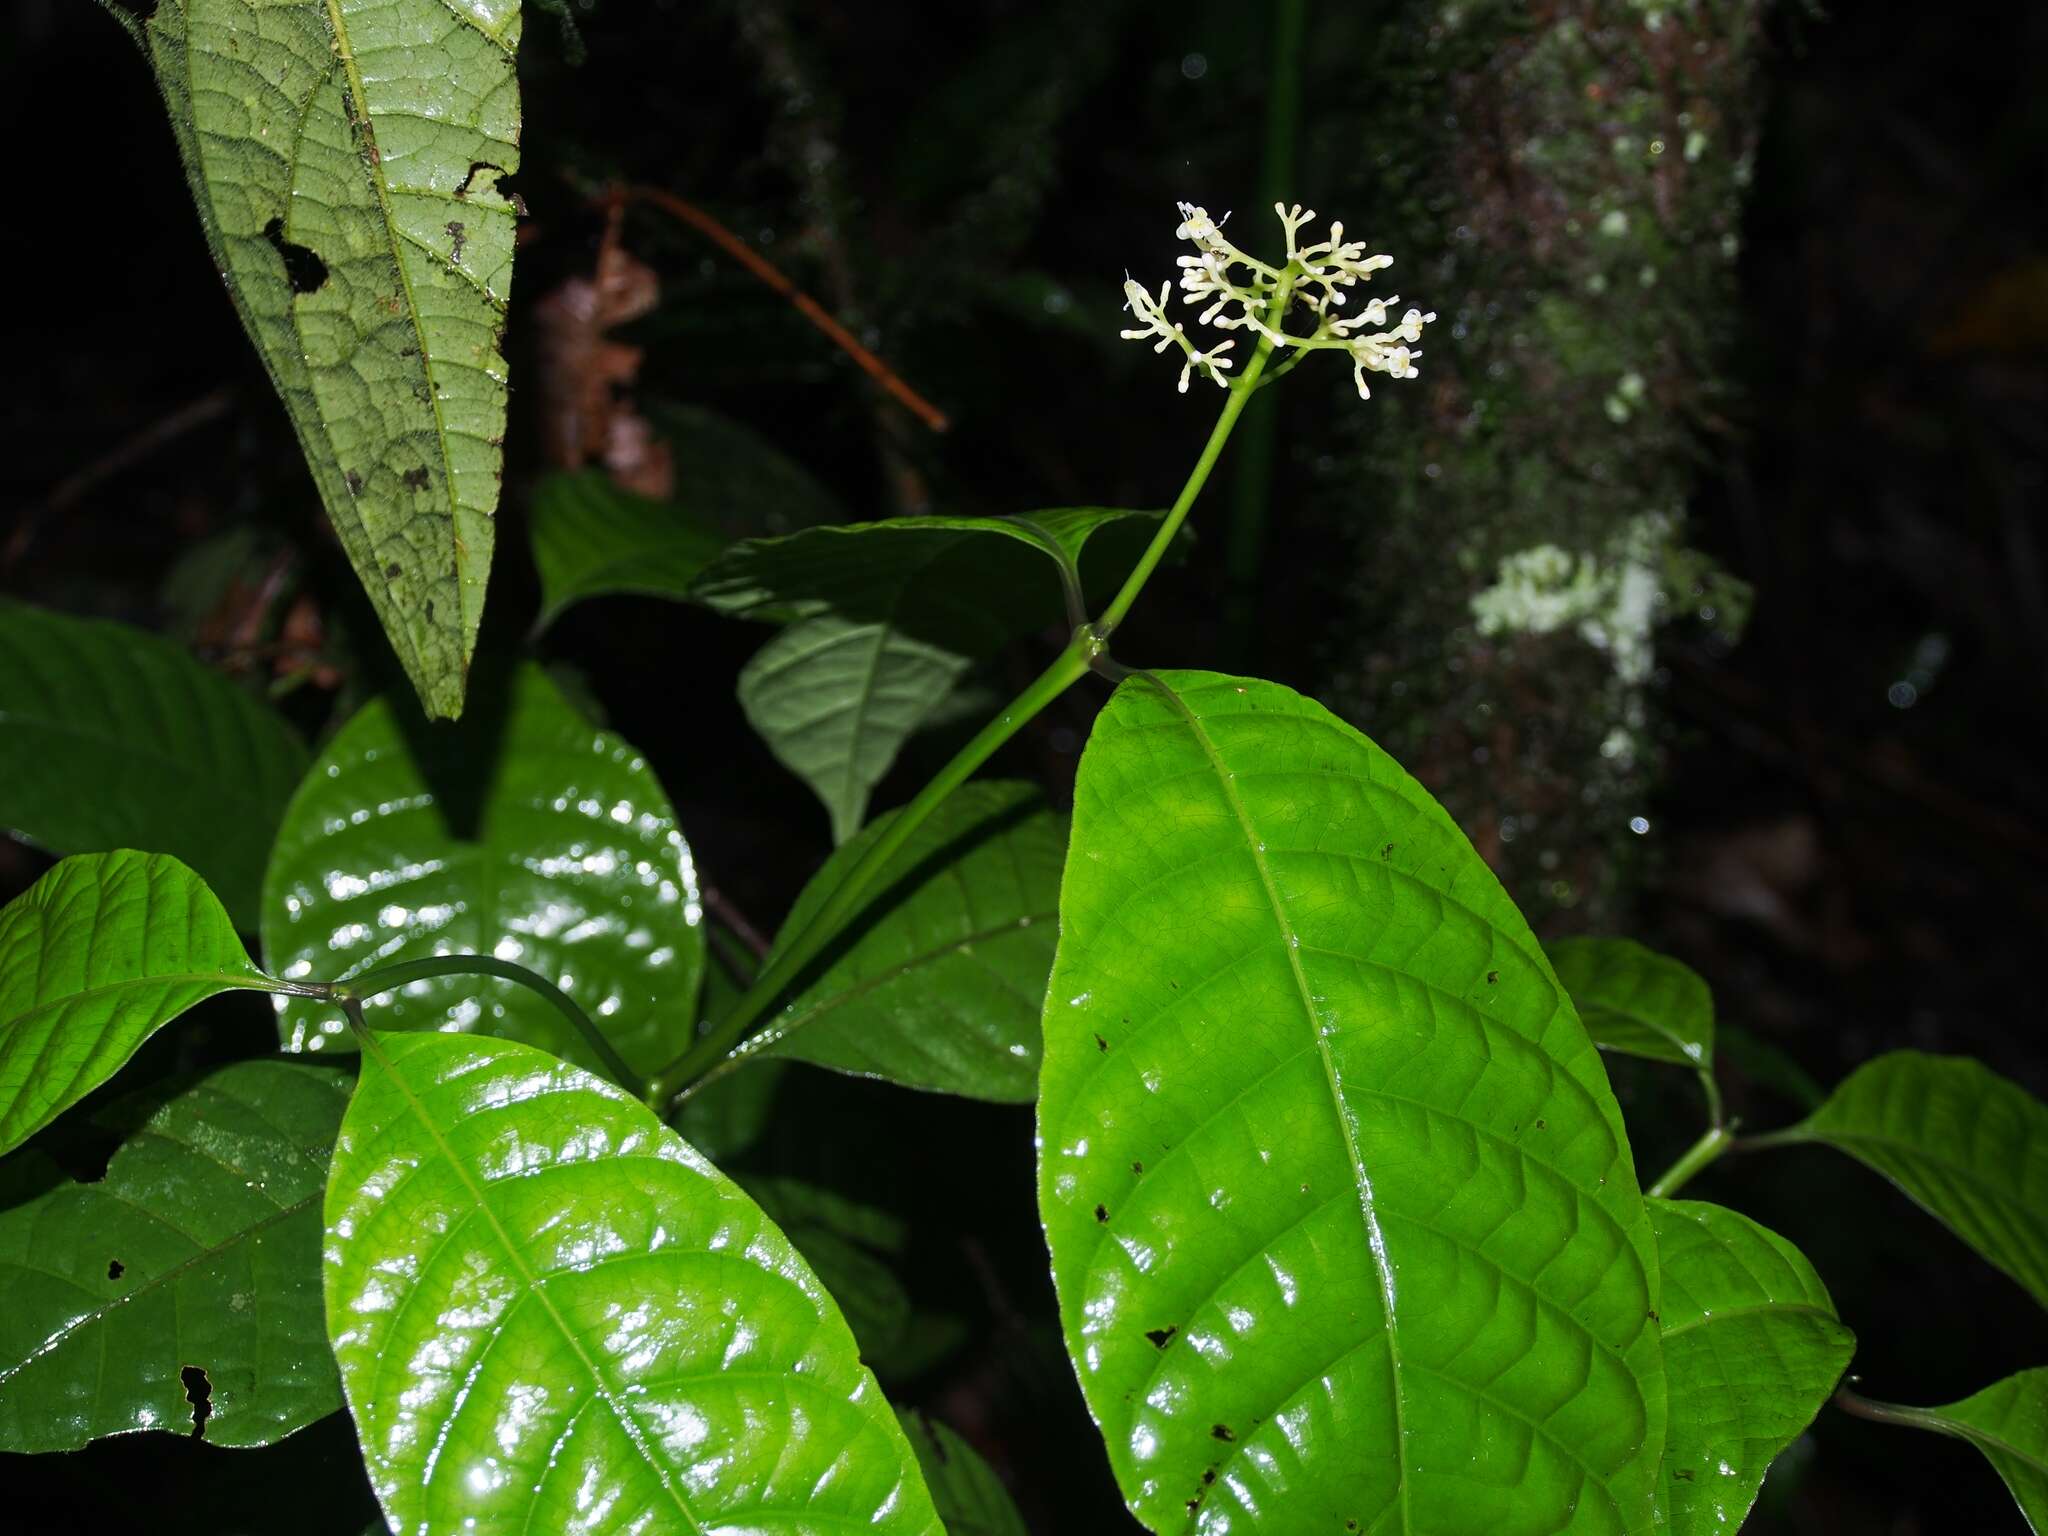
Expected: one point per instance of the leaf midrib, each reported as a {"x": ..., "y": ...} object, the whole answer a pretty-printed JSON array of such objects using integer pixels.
[
  {"x": 1753, "y": 1309},
  {"x": 252, "y": 981},
  {"x": 534, "y": 1285},
  {"x": 1375, "y": 1242},
  {"x": 346, "y": 53},
  {"x": 156, "y": 1282}
]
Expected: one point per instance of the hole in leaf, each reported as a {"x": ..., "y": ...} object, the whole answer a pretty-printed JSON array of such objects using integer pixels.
[
  {"x": 303, "y": 268},
  {"x": 199, "y": 1393},
  {"x": 1161, "y": 1337},
  {"x": 1102, "y": 1213},
  {"x": 115, "y": 1268},
  {"x": 1222, "y": 1432},
  {"x": 477, "y": 168}
]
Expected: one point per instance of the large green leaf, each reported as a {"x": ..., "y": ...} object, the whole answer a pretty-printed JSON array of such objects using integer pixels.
[
  {"x": 940, "y": 983},
  {"x": 889, "y": 617},
  {"x": 970, "y": 1497},
  {"x": 591, "y": 538},
  {"x": 345, "y": 158},
  {"x": 1342, "y": 1214},
  {"x": 2008, "y": 1422},
  {"x": 1752, "y": 1349},
  {"x": 191, "y": 1271},
  {"x": 551, "y": 1314},
  {"x": 113, "y": 738},
  {"x": 1635, "y": 1000},
  {"x": 1966, "y": 1145},
  {"x": 95, "y": 957},
  {"x": 522, "y": 833}
]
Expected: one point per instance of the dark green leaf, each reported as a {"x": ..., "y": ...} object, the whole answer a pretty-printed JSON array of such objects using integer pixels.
[
  {"x": 590, "y": 538},
  {"x": 551, "y": 1314},
  {"x": 940, "y": 983},
  {"x": 970, "y": 1497},
  {"x": 1342, "y": 1214},
  {"x": 1962, "y": 1142},
  {"x": 889, "y": 617},
  {"x": 95, "y": 957},
  {"x": 113, "y": 738},
  {"x": 522, "y": 833},
  {"x": 198, "y": 1252},
  {"x": 1635, "y": 1000},
  {"x": 345, "y": 157},
  {"x": 1752, "y": 1349}
]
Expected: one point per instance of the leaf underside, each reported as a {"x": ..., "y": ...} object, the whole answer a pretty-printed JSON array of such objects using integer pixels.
[
  {"x": 1634, "y": 1000},
  {"x": 887, "y": 619},
  {"x": 198, "y": 1251},
  {"x": 1963, "y": 1143},
  {"x": 522, "y": 833},
  {"x": 551, "y": 1314},
  {"x": 95, "y": 957},
  {"x": 940, "y": 983},
  {"x": 111, "y": 737},
  {"x": 1343, "y": 1221},
  {"x": 345, "y": 156},
  {"x": 1752, "y": 1349}
]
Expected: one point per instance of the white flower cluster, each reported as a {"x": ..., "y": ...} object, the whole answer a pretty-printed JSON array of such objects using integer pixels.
[{"x": 1240, "y": 292}]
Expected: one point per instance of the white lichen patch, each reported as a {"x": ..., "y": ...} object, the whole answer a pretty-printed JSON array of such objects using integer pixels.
[{"x": 1612, "y": 599}]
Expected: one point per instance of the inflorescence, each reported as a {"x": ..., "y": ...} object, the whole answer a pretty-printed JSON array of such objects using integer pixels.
[{"x": 1240, "y": 292}]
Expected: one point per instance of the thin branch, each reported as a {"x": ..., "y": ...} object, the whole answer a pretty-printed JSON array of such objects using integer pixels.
[{"x": 808, "y": 307}]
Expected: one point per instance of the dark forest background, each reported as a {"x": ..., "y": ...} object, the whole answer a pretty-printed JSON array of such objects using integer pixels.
[{"x": 1846, "y": 341}]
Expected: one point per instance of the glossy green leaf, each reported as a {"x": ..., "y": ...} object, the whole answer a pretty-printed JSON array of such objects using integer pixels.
[
  {"x": 1634, "y": 1000},
  {"x": 1752, "y": 1349},
  {"x": 345, "y": 156},
  {"x": 970, "y": 1497},
  {"x": 590, "y": 538},
  {"x": 1342, "y": 1214},
  {"x": 198, "y": 1251},
  {"x": 522, "y": 833},
  {"x": 551, "y": 1314},
  {"x": 940, "y": 983},
  {"x": 888, "y": 618},
  {"x": 95, "y": 957},
  {"x": 2008, "y": 1422},
  {"x": 111, "y": 737},
  {"x": 1964, "y": 1144}
]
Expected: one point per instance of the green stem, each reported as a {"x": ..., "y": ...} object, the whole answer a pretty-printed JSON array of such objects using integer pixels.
[
  {"x": 1702, "y": 1152},
  {"x": 1894, "y": 1413},
  {"x": 352, "y": 992},
  {"x": 1716, "y": 1115},
  {"x": 1240, "y": 393},
  {"x": 1087, "y": 649},
  {"x": 1067, "y": 669}
]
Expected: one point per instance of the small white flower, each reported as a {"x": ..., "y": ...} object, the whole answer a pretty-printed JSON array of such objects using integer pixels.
[{"x": 1232, "y": 291}]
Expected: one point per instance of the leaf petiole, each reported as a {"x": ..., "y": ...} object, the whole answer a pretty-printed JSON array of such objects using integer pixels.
[{"x": 352, "y": 993}]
